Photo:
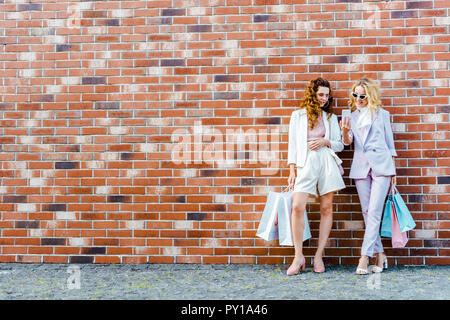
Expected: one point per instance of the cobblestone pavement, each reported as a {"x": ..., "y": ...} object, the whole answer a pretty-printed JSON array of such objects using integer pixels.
[{"x": 218, "y": 282}]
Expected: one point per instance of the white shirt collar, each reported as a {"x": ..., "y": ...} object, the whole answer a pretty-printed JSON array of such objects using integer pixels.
[{"x": 364, "y": 118}]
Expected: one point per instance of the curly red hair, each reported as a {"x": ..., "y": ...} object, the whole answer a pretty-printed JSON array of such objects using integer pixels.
[{"x": 311, "y": 103}]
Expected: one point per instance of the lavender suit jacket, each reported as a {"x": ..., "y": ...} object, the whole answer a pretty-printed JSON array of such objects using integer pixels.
[{"x": 376, "y": 150}]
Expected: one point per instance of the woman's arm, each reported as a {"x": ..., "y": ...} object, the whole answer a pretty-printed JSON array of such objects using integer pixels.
[
  {"x": 291, "y": 179},
  {"x": 292, "y": 144},
  {"x": 347, "y": 134},
  {"x": 389, "y": 135},
  {"x": 335, "y": 135}
]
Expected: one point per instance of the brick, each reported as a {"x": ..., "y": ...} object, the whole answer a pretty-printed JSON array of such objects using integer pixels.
[
  {"x": 66, "y": 165},
  {"x": 173, "y": 12},
  {"x": 165, "y": 21},
  {"x": 93, "y": 80},
  {"x": 261, "y": 18},
  {"x": 437, "y": 243},
  {"x": 212, "y": 207},
  {"x": 172, "y": 62},
  {"x": 29, "y": 7},
  {"x": 63, "y": 47},
  {"x": 107, "y": 105},
  {"x": 337, "y": 59},
  {"x": 14, "y": 199},
  {"x": 196, "y": 215},
  {"x": 81, "y": 259},
  {"x": 402, "y": 14},
  {"x": 274, "y": 120},
  {"x": 93, "y": 250},
  {"x": 267, "y": 69},
  {"x": 199, "y": 28},
  {"x": 443, "y": 180},
  {"x": 252, "y": 181},
  {"x": 53, "y": 241},
  {"x": 46, "y": 98},
  {"x": 54, "y": 207},
  {"x": 111, "y": 22},
  {"x": 226, "y": 95},
  {"x": 419, "y": 5},
  {"x": 28, "y": 259},
  {"x": 118, "y": 198},
  {"x": 27, "y": 224},
  {"x": 226, "y": 78}
]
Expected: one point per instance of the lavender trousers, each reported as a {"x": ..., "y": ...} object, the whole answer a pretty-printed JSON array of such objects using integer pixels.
[{"x": 372, "y": 192}]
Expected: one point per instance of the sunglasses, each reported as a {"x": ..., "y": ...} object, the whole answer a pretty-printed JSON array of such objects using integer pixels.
[{"x": 361, "y": 96}]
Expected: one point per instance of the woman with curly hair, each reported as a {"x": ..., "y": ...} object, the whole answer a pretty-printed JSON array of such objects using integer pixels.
[{"x": 314, "y": 137}]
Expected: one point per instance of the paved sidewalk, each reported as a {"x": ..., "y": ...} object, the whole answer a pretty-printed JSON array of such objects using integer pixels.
[{"x": 218, "y": 282}]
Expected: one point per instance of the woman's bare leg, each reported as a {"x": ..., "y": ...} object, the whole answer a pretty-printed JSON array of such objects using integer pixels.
[
  {"x": 299, "y": 200},
  {"x": 326, "y": 223}
]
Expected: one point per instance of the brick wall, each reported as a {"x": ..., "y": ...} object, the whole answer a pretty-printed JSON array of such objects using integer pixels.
[{"x": 121, "y": 124}]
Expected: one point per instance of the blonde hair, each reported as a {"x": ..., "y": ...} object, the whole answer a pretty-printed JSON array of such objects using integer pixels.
[{"x": 372, "y": 92}]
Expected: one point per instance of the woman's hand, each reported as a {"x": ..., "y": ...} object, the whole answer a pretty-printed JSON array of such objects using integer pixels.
[
  {"x": 393, "y": 181},
  {"x": 394, "y": 177},
  {"x": 291, "y": 179},
  {"x": 315, "y": 145},
  {"x": 346, "y": 126}
]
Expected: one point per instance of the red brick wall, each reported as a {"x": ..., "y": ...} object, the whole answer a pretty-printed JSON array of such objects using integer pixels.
[{"x": 95, "y": 96}]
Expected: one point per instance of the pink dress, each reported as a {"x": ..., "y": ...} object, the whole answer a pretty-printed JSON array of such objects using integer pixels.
[{"x": 318, "y": 132}]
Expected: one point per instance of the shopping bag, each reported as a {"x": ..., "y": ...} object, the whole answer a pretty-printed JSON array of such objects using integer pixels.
[
  {"x": 405, "y": 220},
  {"x": 284, "y": 210},
  {"x": 268, "y": 225},
  {"x": 386, "y": 224},
  {"x": 399, "y": 239}
]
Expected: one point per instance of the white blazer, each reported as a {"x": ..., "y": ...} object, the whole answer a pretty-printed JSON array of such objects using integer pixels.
[{"x": 298, "y": 134}]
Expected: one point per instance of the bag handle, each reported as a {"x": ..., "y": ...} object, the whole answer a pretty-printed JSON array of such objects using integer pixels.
[
  {"x": 394, "y": 190},
  {"x": 287, "y": 188}
]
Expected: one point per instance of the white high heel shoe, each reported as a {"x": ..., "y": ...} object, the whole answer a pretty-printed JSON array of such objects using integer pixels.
[
  {"x": 378, "y": 269},
  {"x": 362, "y": 271}
]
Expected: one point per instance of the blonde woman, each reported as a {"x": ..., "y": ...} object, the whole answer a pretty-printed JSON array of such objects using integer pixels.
[
  {"x": 314, "y": 136},
  {"x": 373, "y": 166}
]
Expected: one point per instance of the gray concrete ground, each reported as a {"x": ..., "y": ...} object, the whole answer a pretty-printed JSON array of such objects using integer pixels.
[{"x": 218, "y": 282}]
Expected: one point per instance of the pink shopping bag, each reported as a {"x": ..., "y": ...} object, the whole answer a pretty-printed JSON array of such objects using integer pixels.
[{"x": 399, "y": 239}]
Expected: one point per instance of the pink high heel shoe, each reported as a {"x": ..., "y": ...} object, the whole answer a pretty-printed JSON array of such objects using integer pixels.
[
  {"x": 319, "y": 269},
  {"x": 295, "y": 270}
]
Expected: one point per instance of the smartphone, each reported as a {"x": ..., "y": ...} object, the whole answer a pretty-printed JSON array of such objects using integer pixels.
[
  {"x": 346, "y": 113},
  {"x": 327, "y": 105}
]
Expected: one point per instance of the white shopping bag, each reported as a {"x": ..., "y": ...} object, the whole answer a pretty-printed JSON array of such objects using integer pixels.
[
  {"x": 268, "y": 225},
  {"x": 284, "y": 210}
]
